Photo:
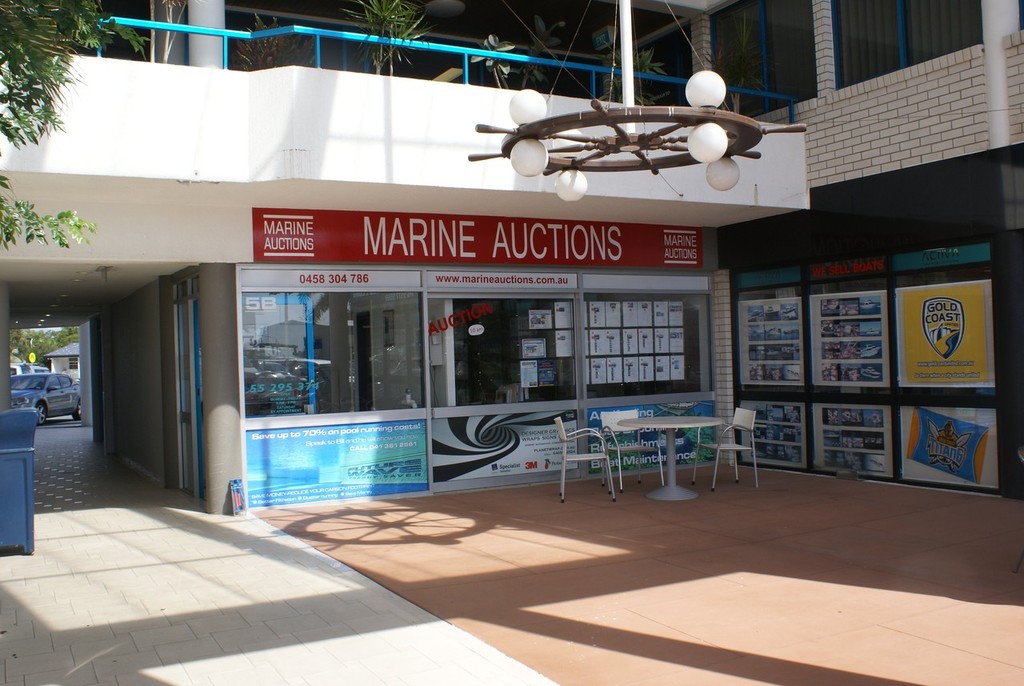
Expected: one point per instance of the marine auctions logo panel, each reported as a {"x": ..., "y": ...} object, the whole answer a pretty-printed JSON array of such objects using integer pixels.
[{"x": 281, "y": 235}]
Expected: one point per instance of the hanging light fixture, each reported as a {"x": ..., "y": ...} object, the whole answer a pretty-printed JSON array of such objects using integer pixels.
[
  {"x": 606, "y": 139},
  {"x": 631, "y": 138}
]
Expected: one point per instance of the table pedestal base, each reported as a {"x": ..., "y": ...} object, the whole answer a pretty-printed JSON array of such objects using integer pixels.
[{"x": 672, "y": 492}]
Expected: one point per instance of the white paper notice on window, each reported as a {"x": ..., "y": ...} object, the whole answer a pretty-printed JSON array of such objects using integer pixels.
[
  {"x": 563, "y": 344},
  {"x": 630, "y": 370},
  {"x": 646, "y": 363},
  {"x": 630, "y": 342},
  {"x": 678, "y": 368},
  {"x": 563, "y": 314},
  {"x": 614, "y": 366},
  {"x": 528, "y": 373},
  {"x": 613, "y": 313},
  {"x": 662, "y": 366},
  {"x": 630, "y": 313}
]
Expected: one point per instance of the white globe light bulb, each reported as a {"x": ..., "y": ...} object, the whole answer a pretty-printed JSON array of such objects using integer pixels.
[
  {"x": 526, "y": 106},
  {"x": 705, "y": 89},
  {"x": 529, "y": 157},
  {"x": 723, "y": 174},
  {"x": 707, "y": 142},
  {"x": 571, "y": 185}
]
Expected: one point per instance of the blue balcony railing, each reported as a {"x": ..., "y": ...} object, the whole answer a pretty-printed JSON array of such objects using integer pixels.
[{"x": 593, "y": 75}]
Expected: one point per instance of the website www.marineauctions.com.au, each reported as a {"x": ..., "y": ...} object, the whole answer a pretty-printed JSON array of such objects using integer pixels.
[{"x": 503, "y": 279}]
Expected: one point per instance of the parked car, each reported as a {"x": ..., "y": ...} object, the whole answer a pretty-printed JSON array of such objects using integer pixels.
[
  {"x": 26, "y": 368},
  {"x": 51, "y": 395}
]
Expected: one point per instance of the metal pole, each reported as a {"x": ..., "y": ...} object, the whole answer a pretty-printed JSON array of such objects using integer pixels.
[{"x": 626, "y": 38}]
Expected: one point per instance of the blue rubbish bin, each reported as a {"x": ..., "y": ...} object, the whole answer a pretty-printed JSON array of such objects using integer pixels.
[{"x": 17, "y": 495}]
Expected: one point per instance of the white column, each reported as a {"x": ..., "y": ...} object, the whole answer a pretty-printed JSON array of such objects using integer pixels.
[
  {"x": 222, "y": 415},
  {"x": 85, "y": 370},
  {"x": 626, "y": 40},
  {"x": 5, "y": 344},
  {"x": 824, "y": 46},
  {"x": 999, "y": 18},
  {"x": 206, "y": 51}
]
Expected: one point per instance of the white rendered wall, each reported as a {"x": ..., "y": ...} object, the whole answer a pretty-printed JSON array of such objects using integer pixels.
[{"x": 150, "y": 121}]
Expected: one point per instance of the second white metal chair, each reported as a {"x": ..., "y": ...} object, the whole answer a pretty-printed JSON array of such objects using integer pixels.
[
  {"x": 728, "y": 441},
  {"x": 570, "y": 436}
]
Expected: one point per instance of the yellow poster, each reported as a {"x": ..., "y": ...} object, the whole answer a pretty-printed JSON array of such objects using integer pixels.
[{"x": 946, "y": 334}]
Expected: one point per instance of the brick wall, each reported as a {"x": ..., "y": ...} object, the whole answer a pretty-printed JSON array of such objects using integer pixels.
[
  {"x": 1014, "y": 46},
  {"x": 928, "y": 112},
  {"x": 721, "y": 322}
]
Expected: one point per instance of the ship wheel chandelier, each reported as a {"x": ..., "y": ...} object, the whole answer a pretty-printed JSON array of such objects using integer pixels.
[{"x": 630, "y": 138}]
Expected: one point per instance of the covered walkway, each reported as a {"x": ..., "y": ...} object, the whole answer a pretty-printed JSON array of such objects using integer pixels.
[{"x": 133, "y": 584}]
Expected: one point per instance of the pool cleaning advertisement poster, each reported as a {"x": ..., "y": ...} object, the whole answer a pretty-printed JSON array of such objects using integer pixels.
[{"x": 334, "y": 462}]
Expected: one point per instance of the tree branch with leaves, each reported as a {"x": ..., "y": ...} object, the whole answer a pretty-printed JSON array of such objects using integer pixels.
[{"x": 38, "y": 42}]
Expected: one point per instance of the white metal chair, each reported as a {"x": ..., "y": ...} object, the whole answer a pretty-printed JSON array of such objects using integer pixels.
[
  {"x": 570, "y": 436},
  {"x": 610, "y": 422},
  {"x": 742, "y": 420}
]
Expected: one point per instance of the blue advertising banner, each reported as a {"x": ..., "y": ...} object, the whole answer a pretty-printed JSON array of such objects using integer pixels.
[
  {"x": 686, "y": 439},
  {"x": 322, "y": 463}
]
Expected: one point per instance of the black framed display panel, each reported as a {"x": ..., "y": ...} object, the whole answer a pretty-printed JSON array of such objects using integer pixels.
[{"x": 864, "y": 325}]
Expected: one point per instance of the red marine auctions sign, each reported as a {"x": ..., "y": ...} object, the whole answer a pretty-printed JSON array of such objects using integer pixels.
[{"x": 393, "y": 237}]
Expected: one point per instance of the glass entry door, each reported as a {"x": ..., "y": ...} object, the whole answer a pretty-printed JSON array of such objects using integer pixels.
[{"x": 190, "y": 414}]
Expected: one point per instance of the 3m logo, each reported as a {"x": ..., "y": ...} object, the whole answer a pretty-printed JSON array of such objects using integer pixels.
[{"x": 943, "y": 322}]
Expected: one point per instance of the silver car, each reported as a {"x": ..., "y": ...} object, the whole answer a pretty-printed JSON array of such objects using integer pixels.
[{"x": 51, "y": 395}]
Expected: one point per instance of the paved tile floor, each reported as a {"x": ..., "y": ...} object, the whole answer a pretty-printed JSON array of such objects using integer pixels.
[
  {"x": 133, "y": 584},
  {"x": 807, "y": 580}
]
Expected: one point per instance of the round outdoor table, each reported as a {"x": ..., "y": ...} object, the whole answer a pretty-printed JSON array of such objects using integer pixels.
[{"x": 671, "y": 490}]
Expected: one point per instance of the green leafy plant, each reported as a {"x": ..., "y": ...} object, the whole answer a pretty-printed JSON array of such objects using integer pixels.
[
  {"x": 542, "y": 40},
  {"x": 38, "y": 42},
  {"x": 643, "y": 63},
  {"x": 397, "y": 20},
  {"x": 278, "y": 51},
  {"x": 737, "y": 58},
  {"x": 499, "y": 69}
]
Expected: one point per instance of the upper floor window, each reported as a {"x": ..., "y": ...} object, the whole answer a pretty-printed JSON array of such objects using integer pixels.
[
  {"x": 765, "y": 45},
  {"x": 875, "y": 37}
]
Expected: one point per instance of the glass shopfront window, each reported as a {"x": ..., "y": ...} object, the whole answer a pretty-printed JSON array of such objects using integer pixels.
[
  {"x": 645, "y": 345},
  {"x": 325, "y": 352},
  {"x": 493, "y": 350},
  {"x": 875, "y": 37}
]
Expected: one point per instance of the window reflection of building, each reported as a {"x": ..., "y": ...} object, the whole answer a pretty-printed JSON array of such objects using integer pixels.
[{"x": 319, "y": 353}]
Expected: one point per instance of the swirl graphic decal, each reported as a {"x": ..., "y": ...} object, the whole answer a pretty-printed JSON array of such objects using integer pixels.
[{"x": 462, "y": 445}]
